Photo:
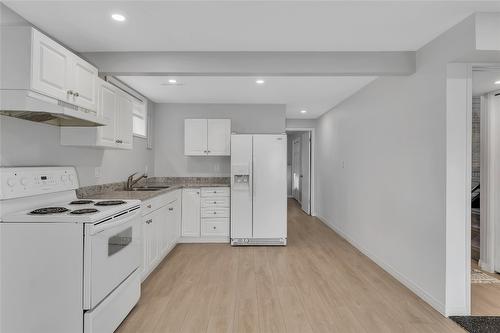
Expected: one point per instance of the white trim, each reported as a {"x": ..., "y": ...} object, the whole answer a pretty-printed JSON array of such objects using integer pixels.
[
  {"x": 487, "y": 198},
  {"x": 457, "y": 188},
  {"x": 313, "y": 163},
  {"x": 406, "y": 281}
]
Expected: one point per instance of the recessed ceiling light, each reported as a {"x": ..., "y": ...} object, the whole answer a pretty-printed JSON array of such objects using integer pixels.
[
  {"x": 303, "y": 111},
  {"x": 118, "y": 17},
  {"x": 172, "y": 81},
  {"x": 260, "y": 81},
  {"x": 497, "y": 82}
]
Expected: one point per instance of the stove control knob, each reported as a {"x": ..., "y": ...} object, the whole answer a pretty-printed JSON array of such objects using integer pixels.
[
  {"x": 24, "y": 181},
  {"x": 11, "y": 182}
]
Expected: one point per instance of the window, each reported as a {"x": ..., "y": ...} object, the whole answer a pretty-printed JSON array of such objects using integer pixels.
[{"x": 140, "y": 119}]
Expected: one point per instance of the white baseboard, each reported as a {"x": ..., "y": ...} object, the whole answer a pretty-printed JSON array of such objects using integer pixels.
[
  {"x": 407, "y": 282},
  {"x": 485, "y": 266}
]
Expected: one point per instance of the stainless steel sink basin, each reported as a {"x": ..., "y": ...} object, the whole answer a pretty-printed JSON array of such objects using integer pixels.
[
  {"x": 145, "y": 189},
  {"x": 149, "y": 188}
]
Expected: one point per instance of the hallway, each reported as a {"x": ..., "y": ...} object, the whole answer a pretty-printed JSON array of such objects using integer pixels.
[{"x": 318, "y": 283}]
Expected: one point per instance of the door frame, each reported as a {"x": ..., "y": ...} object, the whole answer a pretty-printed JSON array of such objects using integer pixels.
[
  {"x": 312, "y": 171},
  {"x": 458, "y": 186}
]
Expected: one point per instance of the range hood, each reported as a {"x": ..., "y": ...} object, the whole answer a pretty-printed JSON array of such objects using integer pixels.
[{"x": 30, "y": 105}]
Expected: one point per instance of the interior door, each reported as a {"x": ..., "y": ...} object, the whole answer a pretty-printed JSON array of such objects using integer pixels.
[
  {"x": 107, "y": 109},
  {"x": 218, "y": 137},
  {"x": 296, "y": 165},
  {"x": 51, "y": 65},
  {"x": 195, "y": 137},
  {"x": 305, "y": 175},
  {"x": 84, "y": 84},
  {"x": 269, "y": 186}
]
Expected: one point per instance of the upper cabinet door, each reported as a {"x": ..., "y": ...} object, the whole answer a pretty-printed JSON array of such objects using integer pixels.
[
  {"x": 124, "y": 135},
  {"x": 195, "y": 137},
  {"x": 50, "y": 67},
  {"x": 219, "y": 137},
  {"x": 84, "y": 84},
  {"x": 107, "y": 110}
]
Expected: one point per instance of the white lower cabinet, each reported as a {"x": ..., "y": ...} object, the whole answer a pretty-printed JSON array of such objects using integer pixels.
[
  {"x": 191, "y": 212},
  {"x": 161, "y": 229},
  {"x": 205, "y": 215}
]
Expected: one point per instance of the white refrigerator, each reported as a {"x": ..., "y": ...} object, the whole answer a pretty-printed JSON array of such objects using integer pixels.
[{"x": 258, "y": 189}]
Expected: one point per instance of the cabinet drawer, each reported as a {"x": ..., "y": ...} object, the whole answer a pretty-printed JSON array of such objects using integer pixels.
[
  {"x": 214, "y": 212},
  {"x": 215, "y": 202},
  {"x": 215, "y": 192},
  {"x": 215, "y": 227},
  {"x": 155, "y": 203}
]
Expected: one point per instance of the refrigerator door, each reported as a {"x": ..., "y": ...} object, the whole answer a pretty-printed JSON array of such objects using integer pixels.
[
  {"x": 241, "y": 186},
  {"x": 269, "y": 186}
]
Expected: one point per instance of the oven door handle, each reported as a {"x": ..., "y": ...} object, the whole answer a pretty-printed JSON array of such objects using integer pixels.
[{"x": 118, "y": 221}]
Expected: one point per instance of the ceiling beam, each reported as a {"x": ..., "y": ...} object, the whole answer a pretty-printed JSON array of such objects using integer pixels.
[{"x": 254, "y": 63}]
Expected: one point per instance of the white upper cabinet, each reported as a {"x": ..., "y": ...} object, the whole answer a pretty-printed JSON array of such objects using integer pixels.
[
  {"x": 204, "y": 137},
  {"x": 218, "y": 137},
  {"x": 59, "y": 73},
  {"x": 195, "y": 137},
  {"x": 124, "y": 134},
  {"x": 115, "y": 107},
  {"x": 84, "y": 84},
  {"x": 107, "y": 109},
  {"x": 50, "y": 67}
]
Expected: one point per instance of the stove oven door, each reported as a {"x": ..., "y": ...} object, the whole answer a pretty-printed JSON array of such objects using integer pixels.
[{"x": 113, "y": 251}]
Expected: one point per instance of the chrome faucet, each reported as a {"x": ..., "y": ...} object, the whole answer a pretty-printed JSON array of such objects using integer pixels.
[{"x": 131, "y": 181}]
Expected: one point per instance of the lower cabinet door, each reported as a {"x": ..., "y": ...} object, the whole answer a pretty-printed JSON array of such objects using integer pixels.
[{"x": 191, "y": 212}]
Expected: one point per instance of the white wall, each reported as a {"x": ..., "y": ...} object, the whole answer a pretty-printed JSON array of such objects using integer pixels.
[
  {"x": 25, "y": 143},
  {"x": 381, "y": 166},
  {"x": 301, "y": 123},
  {"x": 169, "y": 134}
]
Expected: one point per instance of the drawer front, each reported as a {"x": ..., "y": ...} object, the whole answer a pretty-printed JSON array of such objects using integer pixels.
[
  {"x": 214, "y": 212},
  {"x": 215, "y": 202},
  {"x": 215, "y": 192},
  {"x": 215, "y": 227},
  {"x": 155, "y": 203}
]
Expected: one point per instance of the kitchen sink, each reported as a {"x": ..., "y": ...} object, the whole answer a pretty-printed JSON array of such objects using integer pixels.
[{"x": 149, "y": 188}]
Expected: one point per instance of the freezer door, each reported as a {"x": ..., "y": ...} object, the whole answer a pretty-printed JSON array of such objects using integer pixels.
[
  {"x": 269, "y": 186},
  {"x": 241, "y": 186}
]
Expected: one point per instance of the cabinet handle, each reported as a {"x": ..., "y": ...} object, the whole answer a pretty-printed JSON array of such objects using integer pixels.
[
  {"x": 215, "y": 202},
  {"x": 214, "y": 228},
  {"x": 149, "y": 206},
  {"x": 119, "y": 141},
  {"x": 70, "y": 92},
  {"x": 170, "y": 209},
  {"x": 215, "y": 213},
  {"x": 149, "y": 221},
  {"x": 76, "y": 94}
]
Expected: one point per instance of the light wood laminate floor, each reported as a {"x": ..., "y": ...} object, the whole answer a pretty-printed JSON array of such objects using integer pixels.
[
  {"x": 485, "y": 297},
  {"x": 318, "y": 283}
]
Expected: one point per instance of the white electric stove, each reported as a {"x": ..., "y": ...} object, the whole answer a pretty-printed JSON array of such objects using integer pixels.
[{"x": 66, "y": 264}]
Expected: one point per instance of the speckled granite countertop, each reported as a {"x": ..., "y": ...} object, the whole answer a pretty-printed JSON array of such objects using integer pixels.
[{"x": 117, "y": 190}]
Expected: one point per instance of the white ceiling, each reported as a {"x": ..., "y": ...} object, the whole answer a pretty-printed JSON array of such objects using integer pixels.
[
  {"x": 484, "y": 81},
  {"x": 247, "y": 25},
  {"x": 314, "y": 94}
]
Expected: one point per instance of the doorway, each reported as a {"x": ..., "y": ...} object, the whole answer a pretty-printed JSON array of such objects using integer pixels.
[
  {"x": 299, "y": 168},
  {"x": 485, "y": 187}
]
